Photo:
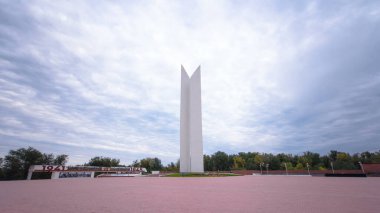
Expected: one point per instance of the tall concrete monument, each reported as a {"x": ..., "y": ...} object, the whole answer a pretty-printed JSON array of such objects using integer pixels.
[{"x": 191, "y": 146}]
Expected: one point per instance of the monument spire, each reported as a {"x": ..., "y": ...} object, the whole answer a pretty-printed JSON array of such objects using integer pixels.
[{"x": 191, "y": 144}]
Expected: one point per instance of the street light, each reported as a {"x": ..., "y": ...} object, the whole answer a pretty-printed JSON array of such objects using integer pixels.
[
  {"x": 261, "y": 169},
  {"x": 361, "y": 166},
  {"x": 286, "y": 168},
  {"x": 308, "y": 169}
]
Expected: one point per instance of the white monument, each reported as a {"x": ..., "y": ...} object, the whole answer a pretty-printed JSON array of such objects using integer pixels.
[{"x": 191, "y": 146}]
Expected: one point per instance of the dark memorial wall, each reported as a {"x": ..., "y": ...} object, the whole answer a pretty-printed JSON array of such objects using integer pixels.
[{"x": 75, "y": 175}]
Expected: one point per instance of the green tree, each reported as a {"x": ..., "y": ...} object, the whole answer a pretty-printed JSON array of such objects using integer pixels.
[
  {"x": 325, "y": 161},
  {"x": 249, "y": 160},
  {"x": 230, "y": 162},
  {"x": 313, "y": 159},
  {"x": 207, "y": 163},
  {"x": 220, "y": 161},
  {"x": 299, "y": 166},
  {"x": 17, "y": 162},
  {"x": 259, "y": 159},
  {"x": 1, "y": 169},
  {"x": 282, "y": 157},
  {"x": 343, "y": 161},
  {"x": 250, "y": 164},
  {"x": 135, "y": 163},
  {"x": 171, "y": 167},
  {"x": 60, "y": 160},
  {"x": 47, "y": 158},
  {"x": 157, "y": 164},
  {"x": 355, "y": 159},
  {"x": 239, "y": 162},
  {"x": 151, "y": 164},
  {"x": 295, "y": 159},
  {"x": 273, "y": 161},
  {"x": 365, "y": 157},
  {"x": 103, "y": 161},
  {"x": 343, "y": 156},
  {"x": 289, "y": 166},
  {"x": 333, "y": 155},
  {"x": 375, "y": 157}
]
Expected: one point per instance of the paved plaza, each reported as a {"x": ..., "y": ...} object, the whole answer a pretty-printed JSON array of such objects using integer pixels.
[{"x": 211, "y": 194}]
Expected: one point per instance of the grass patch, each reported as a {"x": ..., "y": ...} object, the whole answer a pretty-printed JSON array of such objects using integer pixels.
[{"x": 200, "y": 175}]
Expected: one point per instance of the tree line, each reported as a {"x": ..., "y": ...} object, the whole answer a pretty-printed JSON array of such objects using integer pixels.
[
  {"x": 15, "y": 165},
  {"x": 255, "y": 161},
  {"x": 221, "y": 161},
  {"x": 151, "y": 164}
]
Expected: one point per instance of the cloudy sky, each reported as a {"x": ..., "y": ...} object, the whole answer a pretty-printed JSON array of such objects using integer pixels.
[{"x": 90, "y": 78}]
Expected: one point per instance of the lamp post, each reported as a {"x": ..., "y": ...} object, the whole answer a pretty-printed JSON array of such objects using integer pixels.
[
  {"x": 308, "y": 169},
  {"x": 261, "y": 167},
  {"x": 286, "y": 168},
  {"x": 361, "y": 166}
]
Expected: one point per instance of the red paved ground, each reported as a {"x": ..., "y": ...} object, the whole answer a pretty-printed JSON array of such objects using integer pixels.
[{"x": 224, "y": 194}]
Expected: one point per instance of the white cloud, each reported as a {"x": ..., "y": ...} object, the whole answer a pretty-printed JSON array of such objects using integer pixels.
[{"x": 106, "y": 75}]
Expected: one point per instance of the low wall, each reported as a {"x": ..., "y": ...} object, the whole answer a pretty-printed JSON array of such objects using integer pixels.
[
  {"x": 372, "y": 168},
  {"x": 369, "y": 169},
  {"x": 295, "y": 172}
]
